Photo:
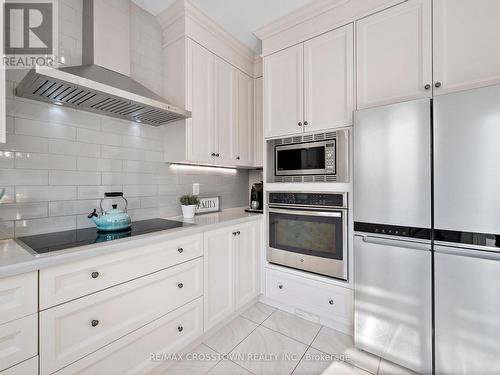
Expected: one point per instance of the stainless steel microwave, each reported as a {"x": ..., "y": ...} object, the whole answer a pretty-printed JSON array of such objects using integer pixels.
[{"x": 309, "y": 156}]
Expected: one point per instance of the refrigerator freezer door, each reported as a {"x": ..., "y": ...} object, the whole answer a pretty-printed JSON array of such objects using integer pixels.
[
  {"x": 467, "y": 311},
  {"x": 467, "y": 161},
  {"x": 392, "y": 166},
  {"x": 392, "y": 282}
]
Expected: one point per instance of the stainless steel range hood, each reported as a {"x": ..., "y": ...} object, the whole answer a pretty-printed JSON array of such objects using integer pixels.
[{"x": 94, "y": 87}]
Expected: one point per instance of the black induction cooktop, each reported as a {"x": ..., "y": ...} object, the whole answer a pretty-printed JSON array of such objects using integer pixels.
[{"x": 49, "y": 242}]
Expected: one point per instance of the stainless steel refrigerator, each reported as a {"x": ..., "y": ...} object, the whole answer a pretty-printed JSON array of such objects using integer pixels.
[
  {"x": 392, "y": 243},
  {"x": 467, "y": 231}
]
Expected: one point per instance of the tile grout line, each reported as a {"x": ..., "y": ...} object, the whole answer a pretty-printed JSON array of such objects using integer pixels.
[{"x": 301, "y": 358}]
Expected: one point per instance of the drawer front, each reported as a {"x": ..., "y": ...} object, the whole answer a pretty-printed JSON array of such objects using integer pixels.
[
  {"x": 329, "y": 301},
  {"x": 64, "y": 283},
  {"x": 18, "y": 341},
  {"x": 18, "y": 296},
  {"x": 132, "y": 354},
  {"x": 72, "y": 330},
  {"x": 29, "y": 367}
]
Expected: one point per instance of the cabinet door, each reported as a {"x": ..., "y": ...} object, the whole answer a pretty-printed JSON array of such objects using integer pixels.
[
  {"x": 247, "y": 263},
  {"x": 258, "y": 123},
  {"x": 226, "y": 86},
  {"x": 200, "y": 101},
  {"x": 329, "y": 79},
  {"x": 283, "y": 92},
  {"x": 219, "y": 260},
  {"x": 394, "y": 49},
  {"x": 466, "y": 40},
  {"x": 245, "y": 124}
]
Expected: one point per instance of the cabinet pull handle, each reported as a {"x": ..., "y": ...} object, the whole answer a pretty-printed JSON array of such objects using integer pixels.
[
  {"x": 280, "y": 286},
  {"x": 238, "y": 233},
  {"x": 94, "y": 274},
  {"x": 300, "y": 124},
  {"x": 217, "y": 154},
  {"x": 306, "y": 123},
  {"x": 180, "y": 285},
  {"x": 213, "y": 153},
  {"x": 427, "y": 87},
  {"x": 94, "y": 323},
  {"x": 437, "y": 84},
  {"x": 330, "y": 302},
  {"x": 180, "y": 328},
  {"x": 237, "y": 158},
  {"x": 235, "y": 233},
  {"x": 180, "y": 250}
]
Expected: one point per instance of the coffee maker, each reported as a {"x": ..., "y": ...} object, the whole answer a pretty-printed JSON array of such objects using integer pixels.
[{"x": 256, "y": 198}]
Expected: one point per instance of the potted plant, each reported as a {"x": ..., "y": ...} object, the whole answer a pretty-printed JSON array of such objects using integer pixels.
[{"x": 189, "y": 203}]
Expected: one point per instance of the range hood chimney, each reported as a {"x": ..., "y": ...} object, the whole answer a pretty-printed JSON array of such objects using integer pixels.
[{"x": 103, "y": 84}]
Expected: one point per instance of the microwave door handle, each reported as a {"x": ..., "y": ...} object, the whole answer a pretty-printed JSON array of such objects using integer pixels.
[{"x": 305, "y": 213}]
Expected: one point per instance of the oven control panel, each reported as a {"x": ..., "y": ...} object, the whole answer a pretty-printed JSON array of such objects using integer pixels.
[{"x": 308, "y": 199}]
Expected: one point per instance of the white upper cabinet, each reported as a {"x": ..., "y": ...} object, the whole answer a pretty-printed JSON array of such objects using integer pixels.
[
  {"x": 258, "y": 124},
  {"x": 245, "y": 120},
  {"x": 394, "y": 54},
  {"x": 466, "y": 44},
  {"x": 328, "y": 79},
  {"x": 200, "y": 101},
  {"x": 226, "y": 90},
  {"x": 283, "y": 92}
]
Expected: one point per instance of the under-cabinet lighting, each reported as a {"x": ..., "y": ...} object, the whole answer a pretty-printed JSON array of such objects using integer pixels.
[
  {"x": 202, "y": 168},
  {"x": 58, "y": 103}
]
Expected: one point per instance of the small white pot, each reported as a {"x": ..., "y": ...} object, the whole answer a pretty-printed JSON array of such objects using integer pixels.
[{"x": 188, "y": 211}]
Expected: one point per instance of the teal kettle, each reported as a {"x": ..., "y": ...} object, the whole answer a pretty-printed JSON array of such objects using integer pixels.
[{"x": 114, "y": 219}]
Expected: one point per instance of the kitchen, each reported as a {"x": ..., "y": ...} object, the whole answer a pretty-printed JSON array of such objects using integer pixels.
[{"x": 197, "y": 187}]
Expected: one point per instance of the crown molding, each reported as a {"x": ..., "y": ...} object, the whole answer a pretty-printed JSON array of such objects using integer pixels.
[{"x": 314, "y": 9}]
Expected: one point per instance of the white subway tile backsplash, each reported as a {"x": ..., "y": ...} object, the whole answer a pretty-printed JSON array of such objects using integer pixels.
[
  {"x": 96, "y": 192},
  {"x": 45, "y": 225},
  {"x": 24, "y": 143},
  {"x": 6, "y": 159},
  {"x": 138, "y": 166},
  {"x": 19, "y": 211},
  {"x": 74, "y": 178},
  {"x": 111, "y": 125},
  {"x": 9, "y": 125},
  {"x": 44, "y": 129},
  {"x": 140, "y": 190},
  {"x": 98, "y": 137},
  {"x": 24, "y": 177},
  {"x": 144, "y": 143},
  {"x": 9, "y": 195},
  {"x": 6, "y": 229},
  {"x": 44, "y": 193},
  {"x": 57, "y": 146},
  {"x": 65, "y": 208},
  {"x": 126, "y": 178},
  {"x": 101, "y": 165},
  {"x": 32, "y": 160}
]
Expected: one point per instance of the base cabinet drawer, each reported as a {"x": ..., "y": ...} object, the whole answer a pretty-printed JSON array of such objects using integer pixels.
[
  {"x": 67, "y": 282},
  {"x": 141, "y": 351},
  {"x": 18, "y": 296},
  {"x": 18, "y": 341},
  {"x": 75, "y": 329},
  {"x": 330, "y": 301},
  {"x": 28, "y": 367}
]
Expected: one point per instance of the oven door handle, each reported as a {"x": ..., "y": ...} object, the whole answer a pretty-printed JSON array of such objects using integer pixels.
[{"x": 306, "y": 213}]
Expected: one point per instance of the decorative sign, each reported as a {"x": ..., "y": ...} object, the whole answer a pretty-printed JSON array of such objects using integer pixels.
[{"x": 208, "y": 205}]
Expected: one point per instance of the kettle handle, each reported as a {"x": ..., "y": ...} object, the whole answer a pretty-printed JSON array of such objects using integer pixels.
[{"x": 114, "y": 194}]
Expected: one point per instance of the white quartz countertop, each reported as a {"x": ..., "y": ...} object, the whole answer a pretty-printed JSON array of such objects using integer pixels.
[{"x": 16, "y": 259}]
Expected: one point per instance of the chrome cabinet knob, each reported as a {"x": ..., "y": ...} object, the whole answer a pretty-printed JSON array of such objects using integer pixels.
[
  {"x": 238, "y": 232},
  {"x": 94, "y": 274},
  {"x": 427, "y": 87},
  {"x": 330, "y": 302},
  {"x": 217, "y": 154},
  {"x": 180, "y": 250},
  {"x": 180, "y": 328},
  {"x": 180, "y": 285},
  {"x": 300, "y": 124},
  {"x": 94, "y": 323},
  {"x": 237, "y": 158},
  {"x": 235, "y": 233},
  {"x": 437, "y": 84},
  {"x": 280, "y": 286},
  {"x": 213, "y": 153},
  {"x": 306, "y": 123}
]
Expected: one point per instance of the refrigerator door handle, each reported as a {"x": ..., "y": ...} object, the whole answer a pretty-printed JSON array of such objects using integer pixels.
[
  {"x": 471, "y": 253},
  {"x": 424, "y": 246}
]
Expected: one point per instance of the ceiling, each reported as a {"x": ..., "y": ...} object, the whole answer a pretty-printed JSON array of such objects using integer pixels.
[{"x": 238, "y": 17}]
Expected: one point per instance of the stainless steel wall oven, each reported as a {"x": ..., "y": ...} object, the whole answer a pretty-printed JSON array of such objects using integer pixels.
[{"x": 308, "y": 231}]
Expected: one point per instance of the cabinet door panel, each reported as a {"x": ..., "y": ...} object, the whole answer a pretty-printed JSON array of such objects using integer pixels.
[
  {"x": 466, "y": 40},
  {"x": 258, "y": 130},
  {"x": 218, "y": 276},
  {"x": 394, "y": 54},
  {"x": 200, "y": 101},
  {"x": 283, "y": 92},
  {"x": 329, "y": 79},
  {"x": 247, "y": 263},
  {"x": 245, "y": 125},
  {"x": 226, "y": 86}
]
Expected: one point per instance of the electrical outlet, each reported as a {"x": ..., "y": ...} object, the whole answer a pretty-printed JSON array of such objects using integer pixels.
[{"x": 196, "y": 189}]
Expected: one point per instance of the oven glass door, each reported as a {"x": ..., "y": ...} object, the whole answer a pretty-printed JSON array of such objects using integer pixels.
[
  {"x": 300, "y": 159},
  {"x": 313, "y": 233}
]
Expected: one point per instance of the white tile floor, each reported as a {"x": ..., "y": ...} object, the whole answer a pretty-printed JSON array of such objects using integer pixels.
[{"x": 280, "y": 343}]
